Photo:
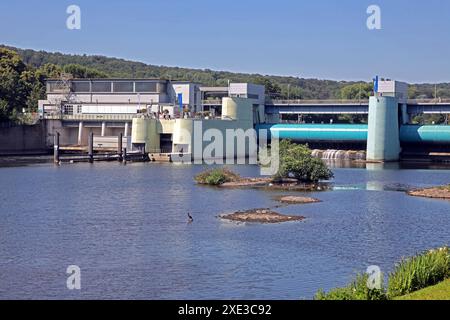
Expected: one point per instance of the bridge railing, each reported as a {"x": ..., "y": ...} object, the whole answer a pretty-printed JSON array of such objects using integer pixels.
[
  {"x": 352, "y": 102},
  {"x": 429, "y": 101},
  {"x": 317, "y": 101}
]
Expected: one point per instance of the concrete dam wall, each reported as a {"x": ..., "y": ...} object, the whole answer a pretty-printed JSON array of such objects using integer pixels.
[{"x": 23, "y": 139}]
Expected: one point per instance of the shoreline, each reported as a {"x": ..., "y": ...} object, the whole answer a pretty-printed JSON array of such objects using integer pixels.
[{"x": 442, "y": 192}]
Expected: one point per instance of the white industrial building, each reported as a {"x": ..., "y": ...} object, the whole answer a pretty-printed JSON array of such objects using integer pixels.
[{"x": 108, "y": 106}]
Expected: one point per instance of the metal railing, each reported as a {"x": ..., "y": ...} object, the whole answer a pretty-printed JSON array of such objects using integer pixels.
[
  {"x": 212, "y": 102},
  {"x": 330, "y": 101},
  {"x": 110, "y": 117},
  {"x": 347, "y": 101}
]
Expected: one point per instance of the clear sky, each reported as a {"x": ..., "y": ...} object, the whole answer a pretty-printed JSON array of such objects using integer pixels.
[{"x": 326, "y": 39}]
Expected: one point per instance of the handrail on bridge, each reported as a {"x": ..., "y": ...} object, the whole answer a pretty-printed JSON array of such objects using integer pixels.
[{"x": 349, "y": 101}]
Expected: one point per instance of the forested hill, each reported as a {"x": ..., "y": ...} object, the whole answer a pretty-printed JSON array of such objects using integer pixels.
[
  {"x": 277, "y": 86},
  {"x": 113, "y": 67}
]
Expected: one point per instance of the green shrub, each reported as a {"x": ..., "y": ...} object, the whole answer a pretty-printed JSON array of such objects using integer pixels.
[
  {"x": 419, "y": 272},
  {"x": 296, "y": 161},
  {"x": 356, "y": 290},
  {"x": 216, "y": 177}
]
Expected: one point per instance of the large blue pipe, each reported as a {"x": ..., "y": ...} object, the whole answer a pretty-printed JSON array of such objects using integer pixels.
[
  {"x": 425, "y": 134},
  {"x": 354, "y": 132},
  {"x": 318, "y": 132}
]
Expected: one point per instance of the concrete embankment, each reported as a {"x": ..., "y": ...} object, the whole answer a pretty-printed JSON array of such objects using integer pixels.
[{"x": 22, "y": 139}]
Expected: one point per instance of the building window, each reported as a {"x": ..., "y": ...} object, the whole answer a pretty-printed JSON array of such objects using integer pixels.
[
  {"x": 146, "y": 86},
  {"x": 57, "y": 87},
  {"x": 81, "y": 86},
  {"x": 162, "y": 88},
  {"x": 123, "y": 86},
  {"x": 101, "y": 86},
  {"x": 68, "y": 110}
]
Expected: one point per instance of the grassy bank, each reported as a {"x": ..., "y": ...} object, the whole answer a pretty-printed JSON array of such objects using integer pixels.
[
  {"x": 440, "y": 291},
  {"x": 426, "y": 274}
]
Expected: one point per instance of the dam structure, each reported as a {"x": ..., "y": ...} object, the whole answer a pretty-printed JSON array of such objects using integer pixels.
[{"x": 170, "y": 120}]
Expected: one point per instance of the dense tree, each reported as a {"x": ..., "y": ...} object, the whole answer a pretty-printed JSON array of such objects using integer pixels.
[
  {"x": 23, "y": 74},
  {"x": 14, "y": 85},
  {"x": 22, "y": 85},
  {"x": 296, "y": 161},
  {"x": 357, "y": 91}
]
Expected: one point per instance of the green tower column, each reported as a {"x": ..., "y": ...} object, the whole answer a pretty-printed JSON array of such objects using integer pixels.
[{"x": 383, "y": 141}]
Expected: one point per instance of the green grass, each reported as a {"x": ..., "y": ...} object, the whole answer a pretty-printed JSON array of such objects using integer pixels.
[
  {"x": 440, "y": 291},
  {"x": 216, "y": 177},
  {"x": 424, "y": 276},
  {"x": 419, "y": 272},
  {"x": 356, "y": 290}
]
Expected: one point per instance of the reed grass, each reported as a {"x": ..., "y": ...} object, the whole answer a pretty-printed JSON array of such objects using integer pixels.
[{"x": 420, "y": 271}]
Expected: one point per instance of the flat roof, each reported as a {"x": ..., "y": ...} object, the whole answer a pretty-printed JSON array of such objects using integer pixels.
[
  {"x": 110, "y": 79},
  {"x": 214, "y": 89}
]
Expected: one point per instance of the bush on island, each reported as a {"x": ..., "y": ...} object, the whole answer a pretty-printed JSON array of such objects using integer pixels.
[
  {"x": 296, "y": 161},
  {"x": 216, "y": 177}
]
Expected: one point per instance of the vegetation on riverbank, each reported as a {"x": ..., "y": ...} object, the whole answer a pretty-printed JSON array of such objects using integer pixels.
[
  {"x": 22, "y": 85},
  {"x": 418, "y": 272},
  {"x": 410, "y": 275},
  {"x": 296, "y": 165},
  {"x": 440, "y": 291}
]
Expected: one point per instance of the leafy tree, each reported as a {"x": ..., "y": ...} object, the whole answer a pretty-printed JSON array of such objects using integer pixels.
[
  {"x": 357, "y": 91},
  {"x": 296, "y": 161},
  {"x": 21, "y": 85},
  {"x": 272, "y": 88},
  {"x": 14, "y": 86},
  {"x": 79, "y": 71}
]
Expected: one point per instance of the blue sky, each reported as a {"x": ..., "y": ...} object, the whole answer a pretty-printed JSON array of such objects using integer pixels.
[{"x": 326, "y": 39}]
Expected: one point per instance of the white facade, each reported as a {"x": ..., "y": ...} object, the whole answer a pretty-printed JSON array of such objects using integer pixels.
[
  {"x": 248, "y": 90},
  {"x": 394, "y": 88},
  {"x": 133, "y": 96},
  {"x": 191, "y": 95}
]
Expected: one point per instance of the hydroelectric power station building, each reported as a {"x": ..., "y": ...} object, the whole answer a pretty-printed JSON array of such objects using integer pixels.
[
  {"x": 155, "y": 116},
  {"x": 159, "y": 117}
]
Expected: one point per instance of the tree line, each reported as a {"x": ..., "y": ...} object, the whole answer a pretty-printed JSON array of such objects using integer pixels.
[{"x": 23, "y": 74}]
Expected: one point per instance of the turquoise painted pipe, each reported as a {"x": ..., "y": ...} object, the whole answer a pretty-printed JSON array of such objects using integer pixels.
[
  {"x": 354, "y": 132},
  {"x": 318, "y": 132},
  {"x": 425, "y": 134}
]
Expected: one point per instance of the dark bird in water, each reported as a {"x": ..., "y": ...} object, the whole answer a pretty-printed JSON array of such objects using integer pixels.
[{"x": 190, "y": 218}]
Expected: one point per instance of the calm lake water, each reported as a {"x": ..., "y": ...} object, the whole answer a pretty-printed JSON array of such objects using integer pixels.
[{"x": 126, "y": 227}]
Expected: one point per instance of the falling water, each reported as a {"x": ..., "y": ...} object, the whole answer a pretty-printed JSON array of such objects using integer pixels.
[{"x": 339, "y": 154}]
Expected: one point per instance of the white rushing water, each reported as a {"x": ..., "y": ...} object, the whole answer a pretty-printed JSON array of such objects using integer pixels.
[{"x": 339, "y": 154}]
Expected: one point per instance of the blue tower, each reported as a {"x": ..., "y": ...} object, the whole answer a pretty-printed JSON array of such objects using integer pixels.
[{"x": 383, "y": 140}]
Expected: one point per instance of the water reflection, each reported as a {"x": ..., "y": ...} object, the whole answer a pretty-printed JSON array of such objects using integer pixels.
[{"x": 126, "y": 228}]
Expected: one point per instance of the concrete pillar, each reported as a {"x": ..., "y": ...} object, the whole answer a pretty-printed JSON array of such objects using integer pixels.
[
  {"x": 125, "y": 133},
  {"x": 56, "y": 148},
  {"x": 405, "y": 115},
  {"x": 91, "y": 148},
  {"x": 383, "y": 141},
  {"x": 80, "y": 133},
  {"x": 103, "y": 128}
]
